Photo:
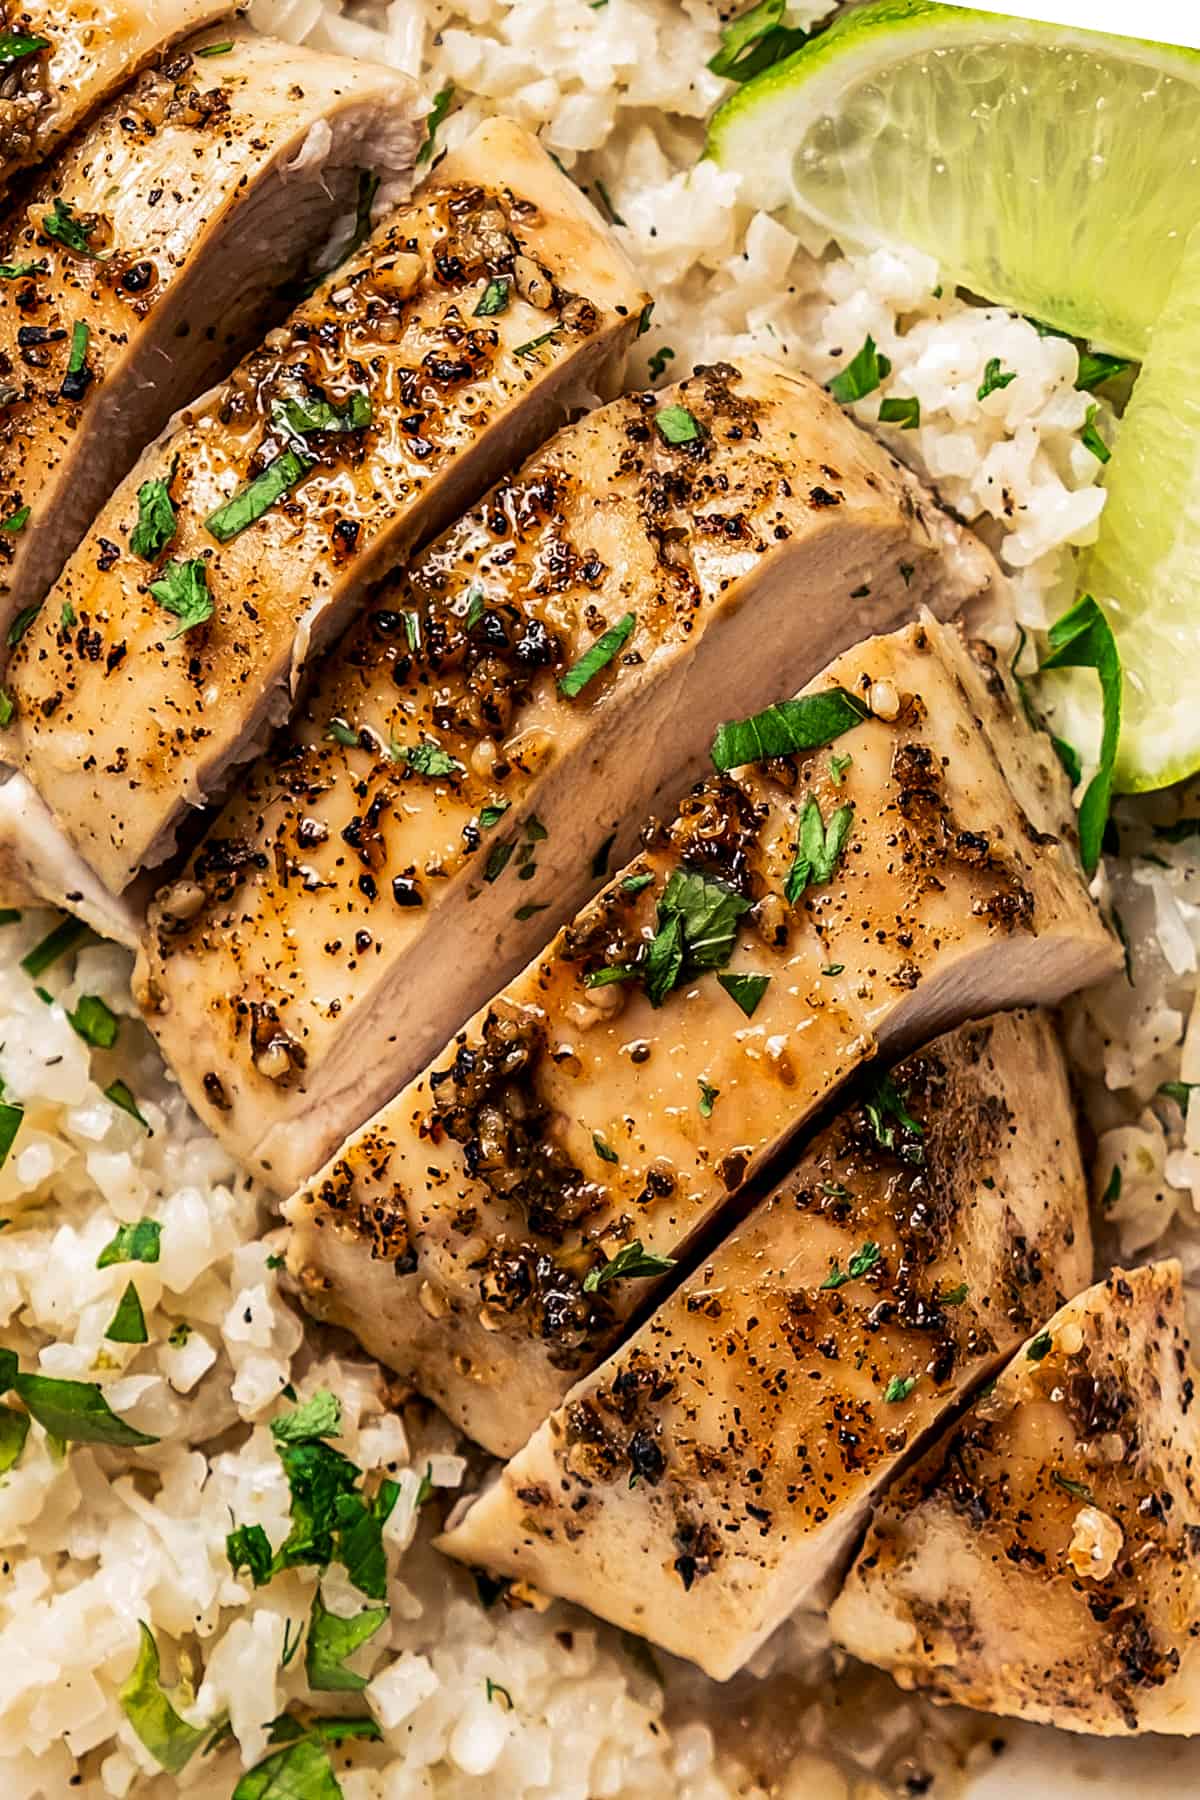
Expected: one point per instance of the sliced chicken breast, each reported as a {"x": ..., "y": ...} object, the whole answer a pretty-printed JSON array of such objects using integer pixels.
[
  {"x": 1043, "y": 1561},
  {"x": 357, "y": 863},
  {"x": 910, "y": 870},
  {"x": 70, "y": 55},
  {"x": 709, "y": 1479},
  {"x": 455, "y": 339},
  {"x": 38, "y": 867},
  {"x": 151, "y": 253}
]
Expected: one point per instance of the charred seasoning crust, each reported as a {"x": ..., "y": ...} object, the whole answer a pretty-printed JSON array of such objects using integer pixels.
[
  {"x": 1132, "y": 1480},
  {"x": 108, "y": 289}
]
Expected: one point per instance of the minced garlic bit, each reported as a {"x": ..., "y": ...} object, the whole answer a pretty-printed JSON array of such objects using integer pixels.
[{"x": 1095, "y": 1544}]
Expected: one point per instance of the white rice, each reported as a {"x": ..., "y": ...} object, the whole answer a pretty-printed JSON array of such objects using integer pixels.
[{"x": 473, "y": 1701}]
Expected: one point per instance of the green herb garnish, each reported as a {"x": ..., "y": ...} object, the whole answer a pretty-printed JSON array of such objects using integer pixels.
[
  {"x": 819, "y": 848},
  {"x": 994, "y": 378},
  {"x": 861, "y": 1263},
  {"x": 15, "y": 46},
  {"x": 16, "y": 522},
  {"x": 21, "y": 624},
  {"x": 248, "y": 1547},
  {"x": 1090, "y": 438},
  {"x": 886, "y": 1113},
  {"x": 301, "y": 417},
  {"x": 697, "y": 926},
  {"x": 68, "y": 935},
  {"x": 62, "y": 224},
  {"x": 441, "y": 106},
  {"x": 1083, "y": 639},
  {"x": 76, "y": 1412},
  {"x": 1040, "y": 1347},
  {"x": 899, "y": 1388},
  {"x": 182, "y": 590},
  {"x": 602, "y": 652},
  {"x": 790, "y": 726},
  {"x": 494, "y": 298},
  {"x": 861, "y": 376},
  {"x": 251, "y": 502},
  {"x": 631, "y": 1262},
  {"x": 709, "y": 1096},
  {"x": 95, "y": 1023},
  {"x": 676, "y": 425},
  {"x": 171, "y": 1741},
  {"x": 121, "y": 1095},
  {"x": 755, "y": 41},
  {"x": 906, "y": 413},
  {"x": 745, "y": 990},
  {"x": 604, "y": 1151},
  {"x": 156, "y": 523},
  {"x": 128, "y": 1323},
  {"x": 331, "y": 1640},
  {"x": 140, "y": 1242}
]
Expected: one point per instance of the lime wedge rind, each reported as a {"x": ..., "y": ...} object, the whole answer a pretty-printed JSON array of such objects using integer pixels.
[{"x": 899, "y": 114}]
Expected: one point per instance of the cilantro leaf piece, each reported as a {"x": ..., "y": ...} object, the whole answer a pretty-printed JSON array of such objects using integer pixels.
[
  {"x": 614, "y": 972},
  {"x": 78, "y": 377},
  {"x": 604, "y": 1151},
  {"x": 902, "y": 411},
  {"x": 1178, "y": 1091},
  {"x": 76, "y": 1412},
  {"x": 899, "y": 1388},
  {"x": 15, "y": 46},
  {"x": 249, "y": 1547},
  {"x": 663, "y": 967},
  {"x": 68, "y": 935},
  {"x": 887, "y": 1113},
  {"x": 954, "y": 1296},
  {"x": 494, "y": 298},
  {"x": 128, "y": 1323},
  {"x": 610, "y": 211},
  {"x": 1095, "y": 368},
  {"x": 631, "y": 1262},
  {"x": 10, "y": 1123},
  {"x": 1090, "y": 438},
  {"x": 860, "y": 1264},
  {"x": 709, "y": 1096},
  {"x": 658, "y": 362},
  {"x": 597, "y": 658},
  {"x": 861, "y": 376},
  {"x": 792, "y": 725},
  {"x": 135, "y": 1242},
  {"x": 317, "y": 1475},
  {"x": 20, "y": 271},
  {"x": 171, "y": 1741},
  {"x": 16, "y": 522},
  {"x": 320, "y": 1417},
  {"x": 156, "y": 523},
  {"x": 427, "y": 758},
  {"x": 745, "y": 990},
  {"x": 1078, "y": 1490},
  {"x": 182, "y": 589},
  {"x": 249, "y": 503},
  {"x": 300, "y": 417},
  {"x": 300, "y": 1771},
  {"x": 360, "y": 1538},
  {"x": 1040, "y": 1347},
  {"x": 537, "y": 343},
  {"x": 21, "y": 624},
  {"x": 222, "y": 49},
  {"x": 994, "y": 379},
  {"x": 94, "y": 1022},
  {"x": 819, "y": 848},
  {"x": 676, "y": 425},
  {"x": 490, "y": 816},
  {"x": 70, "y": 230},
  {"x": 9, "y": 1364},
  {"x": 754, "y": 41},
  {"x": 121, "y": 1095},
  {"x": 1083, "y": 639},
  {"x": 14, "y": 1429},
  {"x": 331, "y": 1640},
  {"x": 437, "y": 112},
  {"x": 697, "y": 926}
]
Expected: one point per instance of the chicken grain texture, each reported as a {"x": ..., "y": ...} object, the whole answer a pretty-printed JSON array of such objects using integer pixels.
[
  {"x": 92, "y": 47},
  {"x": 710, "y": 1478},
  {"x": 38, "y": 868},
  {"x": 201, "y": 191},
  {"x": 461, "y": 1232},
  {"x": 339, "y": 869},
  {"x": 125, "y": 717},
  {"x": 1043, "y": 1560}
]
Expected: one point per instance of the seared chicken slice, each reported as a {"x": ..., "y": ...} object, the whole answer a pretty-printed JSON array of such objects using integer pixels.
[
  {"x": 710, "y": 1478},
  {"x": 354, "y": 867},
  {"x": 453, "y": 341},
  {"x": 38, "y": 867},
  {"x": 152, "y": 252},
  {"x": 69, "y": 55},
  {"x": 1043, "y": 1560},
  {"x": 795, "y": 920}
]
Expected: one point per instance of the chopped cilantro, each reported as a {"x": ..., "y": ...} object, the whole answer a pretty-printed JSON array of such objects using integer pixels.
[
  {"x": 68, "y": 935},
  {"x": 906, "y": 413},
  {"x": 792, "y": 725},
  {"x": 437, "y": 112},
  {"x": 745, "y": 990},
  {"x": 1040, "y": 1346},
  {"x": 861, "y": 1263},
  {"x": 1090, "y": 438},
  {"x": 94, "y": 1022},
  {"x": 120, "y": 1095},
  {"x": 676, "y": 425},
  {"x": 494, "y": 299},
  {"x": 140, "y": 1242},
  {"x": 604, "y": 1151},
  {"x": 171, "y": 1741},
  {"x": 1082, "y": 639},
  {"x": 994, "y": 379},
  {"x": 182, "y": 589},
  {"x": 819, "y": 848},
  {"x": 128, "y": 1323},
  {"x": 76, "y": 1412},
  {"x": 631, "y": 1262},
  {"x": 331, "y": 1640},
  {"x": 602, "y": 652},
  {"x": 886, "y": 1113},
  {"x": 861, "y": 376},
  {"x": 250, "y": 503},
  {"x": 709, "y": 1096}
]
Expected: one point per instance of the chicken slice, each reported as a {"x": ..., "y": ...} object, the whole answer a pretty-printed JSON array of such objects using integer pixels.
[
  {"x": 709, "y": 1479},
  {"x": 71, "y": 55},
  {"x": 1043, "y": 1560},
  {"x": 700, "y": 547},
  {"x": 189, "y": 203},
  {"x": 453, "y": 341},
  {"x": 39, "y": 868},
  {"x": 624, "y": 1087}
]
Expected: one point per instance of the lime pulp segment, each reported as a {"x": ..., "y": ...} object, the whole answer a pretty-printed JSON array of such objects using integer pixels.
[{"x": 1050, "y": 170}]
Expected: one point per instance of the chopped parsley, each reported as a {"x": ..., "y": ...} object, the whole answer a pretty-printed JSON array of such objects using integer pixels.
[
  {"x": 860, "y": 1264},
  {"x": 1083, "y": 639},
  {"x": 128, "y": 1323},
  {"x": 156, "y": 524},
  {"x": 16, "y": 522},
  {"x": 789, "y": 726},
  {"x": 745, "y": 990},
  {"x": 819, "y": 848},
  {"x": 604, "y": 1151},
  {"x": 631, "y": 1262},
  {"x": 248, "y": 1547},
  {"x": 636, "y": 884},
  {"x": 121, "y": 1095},
  {"x": 251, "y": 502},
  {"x": 1040, "y": 1347},
  {"x": 862, "y": 375},
  {"x": 19, "y": 271},
  {"x": 76, "y": 1412},
  {"x": 78, "y": 377},
  {"x": 532, "y": 347},
  {"x": 709, "y": 1096},
  {"x": 171, "y": 1741},
  {"x": 906, "y": 413},
  {"x": 75, "y": 232},
  {"x": 442, "y": 101},
  {"x": 697, "y": 927},
  {"x": 331, "y": 1640},
  {"x": 215, "y": 49},
  {"x": 95, "y": 1023},
  {"x": 658, "y": 362},
  {"x": 338, "y": 732},
  {"x": 994, "y": 379},
  {"x": 320, "y": 1417},
  {"x": 494, "y": 298},
  {"x": 676, "y": 425},
  {"x": 427, "y": 758},
  {"x": 1076, "y": 1489},
  {"x": 15, "y": 46},
  {"x": 14, "y": 1429},
  {"x": 301, "y": 417},
  {"x": 602, "y": 652},
  {"x": 182, "y": 590},
  {"x": 1090, "y": 438},
  {"x": 1095, "y": 368},
  {"x": 21, "y": 624}
]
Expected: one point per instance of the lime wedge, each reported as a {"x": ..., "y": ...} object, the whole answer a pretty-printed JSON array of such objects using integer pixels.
[
  {"x": 1145, "y": 568},
  {"x": 1052, "y": 170}
]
